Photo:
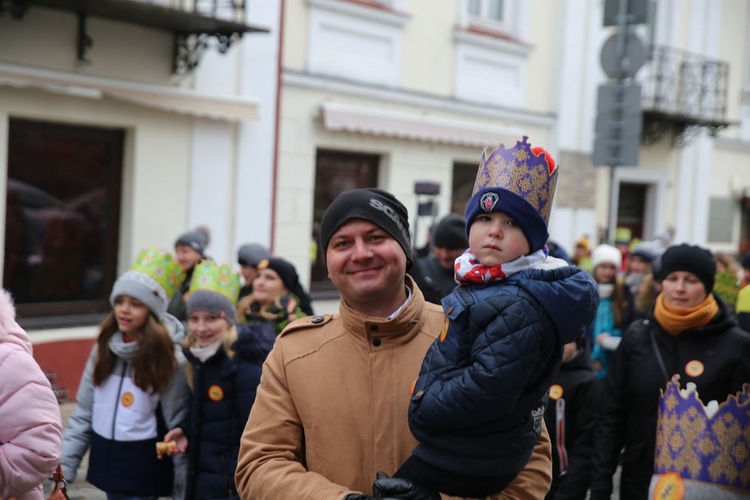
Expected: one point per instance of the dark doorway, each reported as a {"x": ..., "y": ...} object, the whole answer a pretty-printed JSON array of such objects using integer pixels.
[{"x": 631, "y": 208}]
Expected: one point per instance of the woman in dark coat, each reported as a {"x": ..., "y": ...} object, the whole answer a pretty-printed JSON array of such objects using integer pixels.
[{"x": 690, "y": 332}]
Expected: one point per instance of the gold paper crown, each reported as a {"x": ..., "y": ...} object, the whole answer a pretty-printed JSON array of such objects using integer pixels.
[
  {"x": 530, "y": 173},
  {"x": 159, "y": 265},
  {"x": 705, "y": 444},
  {"x": 208, "y": 275}
]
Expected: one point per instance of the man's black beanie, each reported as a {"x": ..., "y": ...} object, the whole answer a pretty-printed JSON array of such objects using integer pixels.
[
  {"x": 692, "y": 259},
  {"x": 371, "y": 204},
  {"x": 450, "y": 233}
]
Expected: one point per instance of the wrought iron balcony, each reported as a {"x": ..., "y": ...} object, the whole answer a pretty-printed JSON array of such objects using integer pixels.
[
  {"x": 682, "y": 92},
  {"x": 192, "y": 22}
]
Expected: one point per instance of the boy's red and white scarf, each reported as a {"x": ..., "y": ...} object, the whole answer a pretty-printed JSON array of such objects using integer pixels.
[{"x": 469, "y": 271}]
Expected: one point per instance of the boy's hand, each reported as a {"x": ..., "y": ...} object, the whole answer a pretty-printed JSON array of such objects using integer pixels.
[{"x": 393, "y": 487}]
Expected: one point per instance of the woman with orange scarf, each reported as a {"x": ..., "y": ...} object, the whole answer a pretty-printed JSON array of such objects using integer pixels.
[{"x": 690, "y": 332}]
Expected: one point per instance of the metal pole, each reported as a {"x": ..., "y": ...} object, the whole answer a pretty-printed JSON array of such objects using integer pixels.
[{"x": 622, "y": 28}]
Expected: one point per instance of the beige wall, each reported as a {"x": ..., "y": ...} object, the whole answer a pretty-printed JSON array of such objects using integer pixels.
[{"x": 48, "y": 39}]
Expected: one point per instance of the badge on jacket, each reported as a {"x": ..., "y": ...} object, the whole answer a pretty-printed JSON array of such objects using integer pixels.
[{"x": 215, "y": 393}]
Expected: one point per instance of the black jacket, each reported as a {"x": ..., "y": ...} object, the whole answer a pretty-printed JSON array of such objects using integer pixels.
[
  {"x": 573, "y": 408},
  {"x": 223, "y": 393},
  {"x": 433, "y": 279},
  {"x": 632, "y": 391}
]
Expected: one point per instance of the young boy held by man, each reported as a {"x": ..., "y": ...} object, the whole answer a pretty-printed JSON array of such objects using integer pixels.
[{"x": 479, "y": 401}]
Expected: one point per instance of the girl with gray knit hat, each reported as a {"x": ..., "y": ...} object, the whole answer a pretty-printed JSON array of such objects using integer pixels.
[
  {"x": 133, "y": 388},
  {"x": 224, "y": 367}
]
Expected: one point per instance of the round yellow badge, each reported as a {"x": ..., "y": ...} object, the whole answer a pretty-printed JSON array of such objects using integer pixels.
[
  {"x": 215, "y": 393},
  {"x": 669, "y": 487},
  {"x": 444, "y": 332},
  {"x": 555, "y": 392},
  {"x": 694, "y": 368},
  {"x": 127, "y": 399}
]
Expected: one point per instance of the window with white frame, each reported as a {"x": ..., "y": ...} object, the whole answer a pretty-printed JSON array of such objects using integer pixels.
[
  {"x": 355, "y": 41},
  {"x": 494, "y": 14},
  {"x": 491, "y": 55}
]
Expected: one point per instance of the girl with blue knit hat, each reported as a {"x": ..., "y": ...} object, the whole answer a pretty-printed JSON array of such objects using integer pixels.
[
  {"x": 224, "y": 368},
  {"x": 478, "y": 404},
  {"x": 133, "y": 388}
]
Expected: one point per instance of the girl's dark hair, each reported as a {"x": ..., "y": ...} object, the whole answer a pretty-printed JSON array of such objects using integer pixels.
[{"x": 154, "y": 363}]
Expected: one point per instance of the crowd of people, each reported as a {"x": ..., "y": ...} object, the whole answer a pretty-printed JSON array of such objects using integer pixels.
[
  {"x": 664, "y": 310},
  {"x": 494, "y": 366}
]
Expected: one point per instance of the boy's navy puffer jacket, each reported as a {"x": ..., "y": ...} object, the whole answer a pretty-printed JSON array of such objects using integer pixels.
[{"x": 479, "y": 401}]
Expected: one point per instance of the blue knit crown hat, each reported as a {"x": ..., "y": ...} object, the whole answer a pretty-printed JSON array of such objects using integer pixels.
[{"x": 519, "y": 182}]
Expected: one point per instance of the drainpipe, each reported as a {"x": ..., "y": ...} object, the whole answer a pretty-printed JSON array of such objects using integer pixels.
[{"x": 277, "y": 125}]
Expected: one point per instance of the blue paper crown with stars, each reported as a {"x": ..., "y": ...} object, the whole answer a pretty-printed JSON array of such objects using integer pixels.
[{"x": 520, "y": 182}]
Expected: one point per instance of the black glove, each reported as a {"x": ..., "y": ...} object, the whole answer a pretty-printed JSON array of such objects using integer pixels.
[
  {"x": 393, "y": 487},
  {"x": 359, "y": 496}
]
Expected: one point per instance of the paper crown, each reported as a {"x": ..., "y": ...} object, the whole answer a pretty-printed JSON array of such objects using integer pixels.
[
  {"x": 208, "y": 275},
  {"x": 704, "y": 444},
  {"x": 530, "y": 173},
  {"x": 623, "y": 235},
  {"x": 161, "y": 267}
]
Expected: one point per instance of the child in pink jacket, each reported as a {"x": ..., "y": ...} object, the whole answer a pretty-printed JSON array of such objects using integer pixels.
[{"x": 30, "y": 424}]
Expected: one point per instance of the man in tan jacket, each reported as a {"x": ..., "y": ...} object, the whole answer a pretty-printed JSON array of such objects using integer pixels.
[{"x": 331, "y": 409}]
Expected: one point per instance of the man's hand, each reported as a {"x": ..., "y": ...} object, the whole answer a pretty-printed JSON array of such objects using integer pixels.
[{"x": 393, "y": 487}]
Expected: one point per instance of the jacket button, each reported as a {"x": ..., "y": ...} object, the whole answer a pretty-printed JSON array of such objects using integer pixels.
[
  {"x": 318, "y": 319},
  {"x": 376, "y": 342},
  {"x": 374, "y": 328}
]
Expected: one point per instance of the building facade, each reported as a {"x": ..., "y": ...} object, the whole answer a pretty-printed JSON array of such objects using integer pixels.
[
  {"x": 111, "y": 140},
  {"x": 123, "y": 124},
  {"x": 395, "y": 93}
]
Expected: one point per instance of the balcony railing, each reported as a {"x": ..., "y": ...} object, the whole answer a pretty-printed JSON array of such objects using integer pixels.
[
  {"x": 230, "y": 10},
  {"x": 192, "y": 22},
  {"x": 682, "y": 92}
]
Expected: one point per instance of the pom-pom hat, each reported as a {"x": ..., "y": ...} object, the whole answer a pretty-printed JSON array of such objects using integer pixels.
[
  {"x": 519, "y": 182},
  {"x": 197, "y": 240},
  {"x": 214, "y": 288},
  {"x": 606, "y": 254},
  {"x": 152, "y": 280}
]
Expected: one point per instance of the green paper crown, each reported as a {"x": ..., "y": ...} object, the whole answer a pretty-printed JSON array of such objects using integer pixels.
[
  {"x": 159, "y": 265},
  {"x": 216, "y": 278}
]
